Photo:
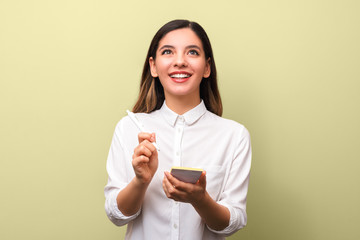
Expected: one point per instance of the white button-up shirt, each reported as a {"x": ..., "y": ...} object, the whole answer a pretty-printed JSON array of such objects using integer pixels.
[{"x": 196, "y": 139}]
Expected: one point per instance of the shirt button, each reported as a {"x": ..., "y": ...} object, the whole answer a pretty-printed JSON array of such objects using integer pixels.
[
  {"x": 177, "y": 153},
  {"x": 175, "y": 226}
]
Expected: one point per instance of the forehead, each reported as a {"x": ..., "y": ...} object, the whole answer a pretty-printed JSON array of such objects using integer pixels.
[{"x": 181, "y": 38}]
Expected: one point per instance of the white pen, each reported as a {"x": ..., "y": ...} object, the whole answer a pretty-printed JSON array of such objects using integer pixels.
[{"x": 140, "y": 125}]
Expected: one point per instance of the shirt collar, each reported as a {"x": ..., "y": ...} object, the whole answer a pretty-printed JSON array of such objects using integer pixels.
[{"x": 190, "y": 116}]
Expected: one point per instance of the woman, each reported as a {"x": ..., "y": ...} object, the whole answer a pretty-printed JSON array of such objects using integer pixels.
[{"x": 180, "y": 102}]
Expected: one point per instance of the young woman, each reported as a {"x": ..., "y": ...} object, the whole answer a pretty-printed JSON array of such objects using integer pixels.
[{"x": 179, "y": 104}]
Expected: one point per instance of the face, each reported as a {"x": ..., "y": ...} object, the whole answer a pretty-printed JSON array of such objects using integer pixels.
[{"x": 180, "y": 64}]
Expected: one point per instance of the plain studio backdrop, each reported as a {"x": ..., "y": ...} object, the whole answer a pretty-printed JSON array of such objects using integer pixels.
[{"x": 288, "y": 70}]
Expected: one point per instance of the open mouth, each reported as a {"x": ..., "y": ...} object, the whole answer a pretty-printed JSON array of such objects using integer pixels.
[{"x": 180, "y": 77}]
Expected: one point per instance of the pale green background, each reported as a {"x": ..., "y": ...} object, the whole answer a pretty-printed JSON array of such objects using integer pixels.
[{"x": 288, "y": 70}]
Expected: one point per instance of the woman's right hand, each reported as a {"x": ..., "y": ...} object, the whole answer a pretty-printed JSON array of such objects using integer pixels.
[{"x": 145, "y": 158}]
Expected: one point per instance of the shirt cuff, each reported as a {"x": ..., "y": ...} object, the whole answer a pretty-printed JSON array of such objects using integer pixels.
[
  {"x": 116, "y": 213},
  {"x": 237, "y": 220}
]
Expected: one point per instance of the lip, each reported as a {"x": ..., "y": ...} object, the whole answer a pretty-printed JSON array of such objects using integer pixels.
[{"x": 180, "y": 80}]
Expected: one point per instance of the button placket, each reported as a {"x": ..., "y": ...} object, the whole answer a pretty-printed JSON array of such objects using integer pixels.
[{"x": 179, "y": 129}]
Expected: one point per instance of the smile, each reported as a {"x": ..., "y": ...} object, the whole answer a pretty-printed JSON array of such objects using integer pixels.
[{"x": 180, "y": 77}]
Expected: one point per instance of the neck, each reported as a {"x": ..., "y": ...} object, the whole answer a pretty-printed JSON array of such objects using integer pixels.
[{"x": 182, "y": 104}]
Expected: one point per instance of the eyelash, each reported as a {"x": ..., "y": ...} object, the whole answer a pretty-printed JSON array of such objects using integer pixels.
[
  {"x": 191, "y": 52},
  {"x": 166, "y": 52}
]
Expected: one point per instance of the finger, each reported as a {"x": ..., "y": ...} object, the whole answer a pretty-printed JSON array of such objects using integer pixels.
[
  {"x": 168, "y": 188},
  {"x": 152, "y": 140},
  {"x": 179, "y": 185},
  {"x": 177, "y": 193},
  {"x": 167, "y": 183},
  {"x": 150, "y": 137},
  {"x": 165, "y": 187},
  {"x": 202, "y": 179},
  {"x": 171, "y": 187},
  {"x": 143, "y": 149},
  {"x": 140, "y": 160},
  {"x": 144, "y": 136},
  {"x": 149, "y": 145},
  {"x": 153, "y": 137}
]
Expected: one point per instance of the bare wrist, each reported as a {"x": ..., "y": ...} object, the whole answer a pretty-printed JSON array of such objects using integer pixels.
[
  {"x": 202, "y": 202},
  {"x": 141, "y": 182}
]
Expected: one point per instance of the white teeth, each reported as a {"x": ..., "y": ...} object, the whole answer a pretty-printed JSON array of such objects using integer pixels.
[{"x": 180, "y": 75}]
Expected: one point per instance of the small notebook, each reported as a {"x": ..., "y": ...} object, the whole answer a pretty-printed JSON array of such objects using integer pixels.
[{"x": 188, "y": 175}]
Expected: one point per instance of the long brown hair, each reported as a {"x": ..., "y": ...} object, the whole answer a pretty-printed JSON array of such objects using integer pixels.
[{"x": 151, "y": 96}]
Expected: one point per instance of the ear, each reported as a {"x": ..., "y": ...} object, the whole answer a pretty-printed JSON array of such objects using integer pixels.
[
  {"x": 153, "y": 67},
  {"x": 207, "y": 71}
]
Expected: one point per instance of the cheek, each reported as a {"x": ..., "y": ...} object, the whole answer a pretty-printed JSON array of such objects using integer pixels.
[
  {"x": 197, "y": 65},
  {"x": 163, "y": 65}
]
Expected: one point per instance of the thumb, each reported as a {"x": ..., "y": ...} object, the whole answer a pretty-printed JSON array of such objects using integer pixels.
[
  {"x": 202, "y": 179},
  {"x": 153, "y": 137}
]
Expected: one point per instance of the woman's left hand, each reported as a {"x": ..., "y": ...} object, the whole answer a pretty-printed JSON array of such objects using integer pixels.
[{"x": 184, "y": 192}]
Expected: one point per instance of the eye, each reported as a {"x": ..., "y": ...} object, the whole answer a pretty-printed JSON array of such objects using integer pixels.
[
  {"x": 193, "y": 52},
  {"x": 166, "y": 52}
]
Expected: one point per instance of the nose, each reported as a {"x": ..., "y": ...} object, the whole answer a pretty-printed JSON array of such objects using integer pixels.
[{"x": 180, "y": 61}]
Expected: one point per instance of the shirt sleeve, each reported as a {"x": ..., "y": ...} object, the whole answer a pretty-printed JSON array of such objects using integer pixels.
[
  {"x": 119, "y": 174},
  {"x": 235, "y": 191}
]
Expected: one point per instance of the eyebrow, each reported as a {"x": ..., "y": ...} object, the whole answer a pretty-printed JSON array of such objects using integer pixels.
[
  {"x": 194, "y": 46},
  {"x": 187, "y": 47}
]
